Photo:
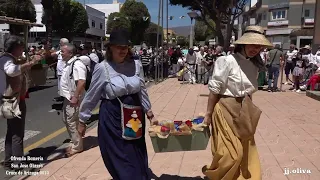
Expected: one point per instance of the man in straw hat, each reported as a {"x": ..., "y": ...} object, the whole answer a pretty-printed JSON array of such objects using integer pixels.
[{"x": 233, "y": 82}]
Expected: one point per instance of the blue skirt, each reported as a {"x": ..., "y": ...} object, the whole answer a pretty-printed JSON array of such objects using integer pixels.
[{"x": 124, "y": 159}]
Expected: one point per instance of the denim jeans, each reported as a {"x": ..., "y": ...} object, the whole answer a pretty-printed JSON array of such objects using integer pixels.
[{"x": 273, "y": 72}]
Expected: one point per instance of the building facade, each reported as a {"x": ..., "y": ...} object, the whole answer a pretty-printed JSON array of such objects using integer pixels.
[
  {"x": 285, "y": 21},
  {"x": 93, "y": 35},
  {"x": 107, "y": 9}
]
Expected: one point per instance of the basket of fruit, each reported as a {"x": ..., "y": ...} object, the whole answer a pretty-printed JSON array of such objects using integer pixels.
[{"x": 184, "y": 135}]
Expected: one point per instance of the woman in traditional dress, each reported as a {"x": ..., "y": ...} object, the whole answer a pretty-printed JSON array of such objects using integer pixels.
[
  {"x": 119, "y": 82},
  {"x": 230, "y": 109}
]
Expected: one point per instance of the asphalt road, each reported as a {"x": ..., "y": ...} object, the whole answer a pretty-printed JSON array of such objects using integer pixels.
[{"x": 44, "y": 130}]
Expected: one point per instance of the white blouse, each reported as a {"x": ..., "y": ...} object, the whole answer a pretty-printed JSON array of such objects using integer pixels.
[{"x": 234, "y": 75}]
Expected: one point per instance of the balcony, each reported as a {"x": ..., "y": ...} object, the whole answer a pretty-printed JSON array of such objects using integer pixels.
[{"x": 278, "y": 23}]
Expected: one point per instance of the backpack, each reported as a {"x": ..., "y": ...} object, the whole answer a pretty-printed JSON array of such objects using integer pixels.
[
  {"x": 90, "y": 70},
  {"x": 100, "y": 56}
]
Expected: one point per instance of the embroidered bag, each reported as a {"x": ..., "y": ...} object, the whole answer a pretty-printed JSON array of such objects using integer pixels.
[{"x": 131, "y": 116}]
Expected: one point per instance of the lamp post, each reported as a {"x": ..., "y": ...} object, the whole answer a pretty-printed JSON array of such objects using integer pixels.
[
  {"x": 316, "y": 33},
  {"x": 192, "y": 15}
]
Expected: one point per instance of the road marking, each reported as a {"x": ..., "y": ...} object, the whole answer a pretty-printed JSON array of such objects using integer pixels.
[
  {"x": 52, "y": 110},
  {"x": 30, "y": 134},
  {"x": 45, "y": 139},
  {"x": 27, "y": 135}
]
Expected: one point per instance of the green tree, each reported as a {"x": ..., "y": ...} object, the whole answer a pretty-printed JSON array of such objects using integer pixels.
[
  {"x": 139, "y": 17},
  {"x": 70, "y": 18},
  {"x": 117, "y": 20},
  {"x": 182, "y": 41},
  {"x": 22, "y": 9},
  {"x": 202, "y": 31},
  {"x": 222, "y": 12},
  {"x": 150, "y": 35}
]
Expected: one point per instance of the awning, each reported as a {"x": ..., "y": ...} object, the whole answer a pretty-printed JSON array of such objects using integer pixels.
[
  {"x": 302, "y": 32},
  {"x": 22, "y": 22}
]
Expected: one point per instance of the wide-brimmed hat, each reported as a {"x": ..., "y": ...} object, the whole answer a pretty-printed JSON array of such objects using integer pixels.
[
  {"x": 119, "y": 37},
  {"x": 254, "y": 35},
  {"x": 306, "y": 47}
]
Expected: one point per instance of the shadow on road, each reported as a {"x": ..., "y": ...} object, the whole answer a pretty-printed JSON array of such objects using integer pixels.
[
  {"x": 38, "y": 88},
  {"x": 174, "y": 177},
  {"x": 89, "y": 143}
]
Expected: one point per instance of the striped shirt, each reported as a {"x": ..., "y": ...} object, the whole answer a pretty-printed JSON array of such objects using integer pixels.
[{"x": 145, "y": 59}]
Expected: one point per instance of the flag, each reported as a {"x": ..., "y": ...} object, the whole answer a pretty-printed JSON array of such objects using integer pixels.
[
  {"x": 182, "y": 17},
  {"x": 145, "y": 18},
  {"x": 171, "y": 18}
]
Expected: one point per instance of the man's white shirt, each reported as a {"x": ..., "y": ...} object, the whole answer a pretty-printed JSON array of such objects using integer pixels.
[
  {"x": 200, "y": 57},
  {"x": 60, "y": 64},
  {"x": 291, "y": 55},
  {"x": 67, "y": 83}
]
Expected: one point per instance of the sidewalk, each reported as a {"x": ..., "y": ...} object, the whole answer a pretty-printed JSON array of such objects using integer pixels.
[{"x": 288, "y": 136}]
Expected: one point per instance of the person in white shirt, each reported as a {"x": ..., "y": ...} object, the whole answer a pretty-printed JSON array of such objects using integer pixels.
[
  {"x": 191, "y": 61},
  {"x": 290, "y": 55},
  {"x": 60, "y": 65},
  {"x": 86, "y": 50},
  {"x": 306, "y": 54},
  {"x": 231, "y": 49},
  {"x": 317, "y": 56},
  {"x": 13, "y": 83},
  {"x": 200, "y": 65},
  {"x": 72, "y": 88}
]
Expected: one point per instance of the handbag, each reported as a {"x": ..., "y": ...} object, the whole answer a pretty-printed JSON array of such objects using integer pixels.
[
  {"x": 9, "y": 107},
  {"x": 268, "y": 65},
  {"x": 131, "y": 116},
  {"x": 249, "y": 115}
]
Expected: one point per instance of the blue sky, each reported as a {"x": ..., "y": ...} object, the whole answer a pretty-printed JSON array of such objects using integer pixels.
[{"x": 153, "y": 6}]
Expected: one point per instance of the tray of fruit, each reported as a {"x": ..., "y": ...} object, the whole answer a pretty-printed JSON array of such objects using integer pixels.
[{"x": 177, "y": 127}]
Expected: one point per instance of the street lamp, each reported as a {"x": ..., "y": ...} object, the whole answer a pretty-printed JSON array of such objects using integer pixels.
[{"x": 192, "y": 15}]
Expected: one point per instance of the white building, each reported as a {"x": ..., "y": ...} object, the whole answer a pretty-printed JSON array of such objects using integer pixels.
[
  {"x": 107, "y": 9},
  {"x": 94, "y": 33}
]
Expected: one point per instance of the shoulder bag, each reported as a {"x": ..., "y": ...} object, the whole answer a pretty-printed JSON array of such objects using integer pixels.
[
  {"x": 270, "y": 64},
  {"x": 131, "y": 116},
  {"x": 249, "y": 115}
]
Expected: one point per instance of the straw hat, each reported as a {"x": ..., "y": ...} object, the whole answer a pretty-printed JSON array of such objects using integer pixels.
[
  {"x": 254, "y": 35},
  {"x": 306, "y": 47}
]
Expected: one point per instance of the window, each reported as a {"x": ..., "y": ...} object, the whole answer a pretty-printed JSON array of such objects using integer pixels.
[
  {"x": 101, "y": 26},
  {"x": 278, "y": 15},
  {"x": 93, "y": 23},
  {"x": 306, "y": 13}
]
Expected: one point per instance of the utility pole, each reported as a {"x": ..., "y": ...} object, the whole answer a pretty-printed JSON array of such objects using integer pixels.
[
  {"x": 316, "y": 32},
  {"x": 167, "y": 22},
  {"x": 157, "y": 47},
  {"x": 162, "y": 38}
]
